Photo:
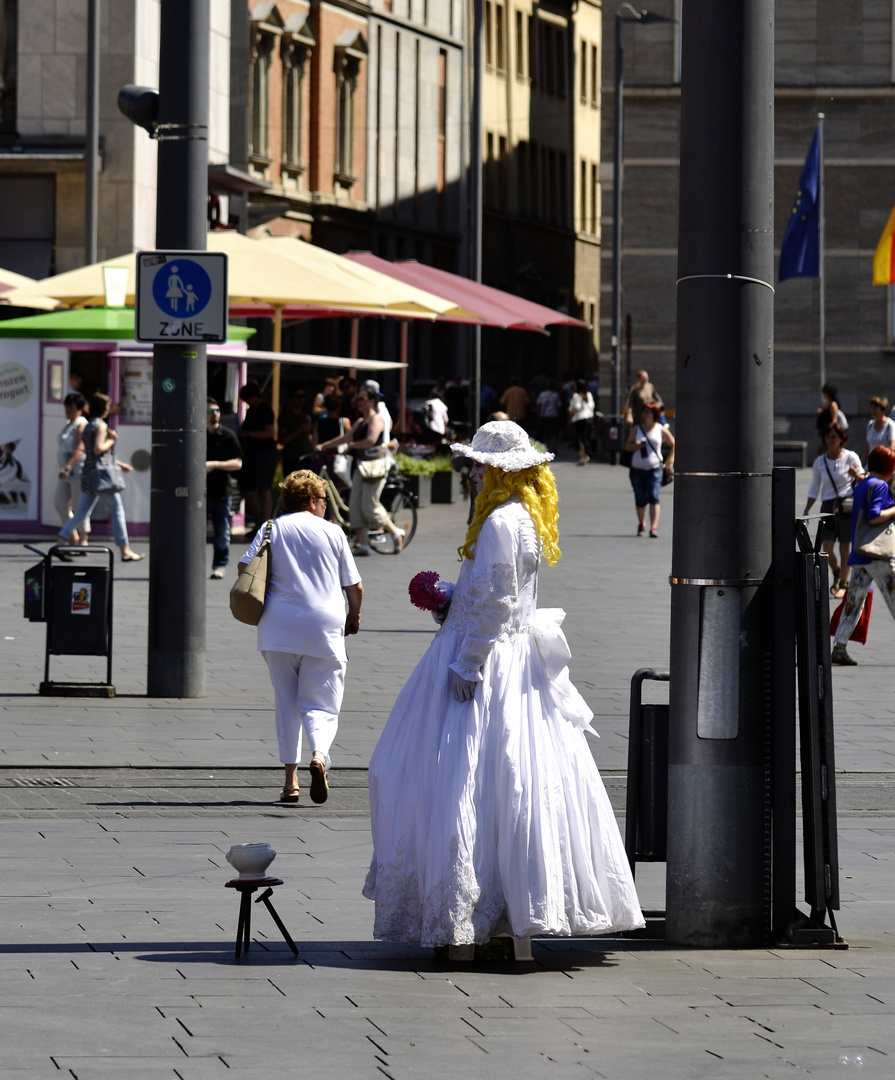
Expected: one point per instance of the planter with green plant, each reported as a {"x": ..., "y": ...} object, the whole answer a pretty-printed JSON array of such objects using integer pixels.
[{"x": 418, "y": 476}]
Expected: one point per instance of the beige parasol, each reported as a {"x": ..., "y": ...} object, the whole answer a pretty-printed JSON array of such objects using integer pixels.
[
  {"x": 263, "y": 274},
  {"x": 25, "y": 288}
]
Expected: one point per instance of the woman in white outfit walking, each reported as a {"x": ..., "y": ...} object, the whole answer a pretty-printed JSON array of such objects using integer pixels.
[{"x": 303, "y": 627}]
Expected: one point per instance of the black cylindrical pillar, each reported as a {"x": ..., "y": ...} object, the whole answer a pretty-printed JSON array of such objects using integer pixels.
[
  {"x": 176, "y": 661},
  {"x": 718, "y": 888}
]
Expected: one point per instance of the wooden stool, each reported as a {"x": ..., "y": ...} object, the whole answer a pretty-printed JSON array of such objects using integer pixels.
[{"x": 246, "y": 888}]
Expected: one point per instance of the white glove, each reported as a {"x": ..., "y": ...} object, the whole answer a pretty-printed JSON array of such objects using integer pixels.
[{"x": 463, "y": 690}]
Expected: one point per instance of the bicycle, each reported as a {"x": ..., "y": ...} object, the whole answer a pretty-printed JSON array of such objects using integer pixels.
[{"x": 400, "y": 505}]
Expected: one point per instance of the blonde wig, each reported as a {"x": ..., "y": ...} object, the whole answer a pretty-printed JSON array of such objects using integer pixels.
[
  {"x": 297, "y": 489},
  {"x": 535, "y": 488}
]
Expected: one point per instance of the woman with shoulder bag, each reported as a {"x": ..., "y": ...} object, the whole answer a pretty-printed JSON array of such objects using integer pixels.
[
  {"x": 648, "y": 465},
  {"x": 369, "y": 473},
  {"x": 833, "y": 478},
  {"x": 874, "y": 499},
  {"x": 100, "y": 479},
  {"x": 303, "y": 626}
]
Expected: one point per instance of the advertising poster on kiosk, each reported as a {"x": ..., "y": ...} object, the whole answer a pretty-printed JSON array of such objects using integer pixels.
[{"x": 18, "y": 442}]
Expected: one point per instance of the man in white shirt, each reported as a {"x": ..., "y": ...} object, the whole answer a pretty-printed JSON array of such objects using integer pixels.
[{"x": 435, "y": 418}]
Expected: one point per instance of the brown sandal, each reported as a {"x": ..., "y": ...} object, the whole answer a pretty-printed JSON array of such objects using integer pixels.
[{"x": 289, "y": 795}]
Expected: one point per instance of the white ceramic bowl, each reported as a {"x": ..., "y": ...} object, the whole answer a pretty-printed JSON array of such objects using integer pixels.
[{"x": 251, "y": 860}]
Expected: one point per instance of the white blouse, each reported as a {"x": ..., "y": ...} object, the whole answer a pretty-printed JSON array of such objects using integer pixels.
[
  {"x": 304, "y": 612},
  {"x": 843, "y": 482}
]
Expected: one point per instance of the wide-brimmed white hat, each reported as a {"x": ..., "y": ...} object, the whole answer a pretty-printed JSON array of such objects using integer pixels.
[{"x": 503, "y": 445}]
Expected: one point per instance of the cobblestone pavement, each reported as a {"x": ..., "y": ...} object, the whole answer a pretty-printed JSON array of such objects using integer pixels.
[{"x": 118, "y": 932}]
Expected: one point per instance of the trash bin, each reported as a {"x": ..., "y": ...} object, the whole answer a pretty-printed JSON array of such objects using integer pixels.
[
  {"x": 77, "y": 608},
  {"x": 646, "y": 805},
  {"x": 613, "y": 433}
]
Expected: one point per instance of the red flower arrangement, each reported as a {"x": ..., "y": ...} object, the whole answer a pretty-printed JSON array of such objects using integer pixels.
[{"x": 425, "y": 592}]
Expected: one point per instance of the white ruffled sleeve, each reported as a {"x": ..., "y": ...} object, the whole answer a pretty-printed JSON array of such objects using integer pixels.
[{"x": 493, "y": 591}]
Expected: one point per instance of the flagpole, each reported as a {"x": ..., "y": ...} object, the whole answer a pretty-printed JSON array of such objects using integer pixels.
[{"x": 821, "y": 277}]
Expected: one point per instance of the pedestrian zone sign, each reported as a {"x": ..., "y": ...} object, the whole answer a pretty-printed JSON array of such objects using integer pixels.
[{"x": 181, "y": 296}]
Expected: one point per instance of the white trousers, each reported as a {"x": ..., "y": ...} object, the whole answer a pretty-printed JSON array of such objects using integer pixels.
[{"x": 307, "y": 692}]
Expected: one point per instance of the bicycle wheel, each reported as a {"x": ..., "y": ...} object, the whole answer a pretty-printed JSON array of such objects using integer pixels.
[{"x": 401, "y": 508}]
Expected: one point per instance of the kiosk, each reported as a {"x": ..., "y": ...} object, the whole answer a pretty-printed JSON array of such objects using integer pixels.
[{"x": 42, "y": 359}]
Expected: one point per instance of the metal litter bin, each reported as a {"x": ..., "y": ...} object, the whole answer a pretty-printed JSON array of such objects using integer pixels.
[
  {"x": 77, "y": 605},
  {"x": 646, "y": 808},
  {"x": 613, "y": 434}
]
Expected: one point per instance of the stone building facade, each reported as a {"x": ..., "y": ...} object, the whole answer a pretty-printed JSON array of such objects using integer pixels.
[
  {"x": 298, "y": 114},
  {"x": 417, "y": 130},
  {"x": 43, "y": 50},
  {"x": 831, "y": 57},
  {"x": 541, "y": 154}
]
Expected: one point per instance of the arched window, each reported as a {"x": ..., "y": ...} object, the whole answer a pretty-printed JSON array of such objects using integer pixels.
[
  {"x": 267, "y": 26},
  {"x": 261, "y": 54},
  {"x": 293, "y": 77},
  {"x": 350, "y": 50},
  {"x": 298, "y": 40}
]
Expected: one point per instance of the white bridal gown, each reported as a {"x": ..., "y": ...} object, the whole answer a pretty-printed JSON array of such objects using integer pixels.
[{"x": 489, "y": 816}]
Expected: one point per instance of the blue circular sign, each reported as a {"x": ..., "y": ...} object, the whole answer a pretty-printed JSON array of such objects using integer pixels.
[{"x": 181, "y": 289}]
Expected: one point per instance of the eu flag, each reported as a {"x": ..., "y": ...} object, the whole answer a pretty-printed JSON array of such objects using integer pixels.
[{"x": 799, "y": 251}]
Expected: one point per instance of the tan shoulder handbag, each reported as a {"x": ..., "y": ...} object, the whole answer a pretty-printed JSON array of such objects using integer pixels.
[{"x": 250, "y": 588}]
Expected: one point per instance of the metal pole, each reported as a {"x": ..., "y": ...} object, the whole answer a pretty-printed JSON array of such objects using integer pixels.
[
  {"x": 821, "y": 274},
  {"x": 91, "y": 164},
  {"x": 617, "y": 180},
  {"x": 176, "y": 659},
  {"x": 475, "y": 177},
  {"x": 402, "y": 378},
  {"x": 275, "y": 367},
  {"x": 719, "y": 863}
]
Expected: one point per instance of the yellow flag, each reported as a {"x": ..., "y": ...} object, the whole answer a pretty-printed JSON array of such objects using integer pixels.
[{"x": 884, "y": 259}]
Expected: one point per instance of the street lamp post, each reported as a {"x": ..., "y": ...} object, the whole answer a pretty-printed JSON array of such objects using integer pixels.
[
  {"x": 475, "y": 185},
  {"x": 625, "y": 13}
]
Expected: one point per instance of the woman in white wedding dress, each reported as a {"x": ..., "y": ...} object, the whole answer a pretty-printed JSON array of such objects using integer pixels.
[{"x": 489, "y": 816}]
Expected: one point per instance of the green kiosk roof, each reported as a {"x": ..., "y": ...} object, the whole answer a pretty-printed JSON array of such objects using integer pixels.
[{"x": 88, "y": 324}]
